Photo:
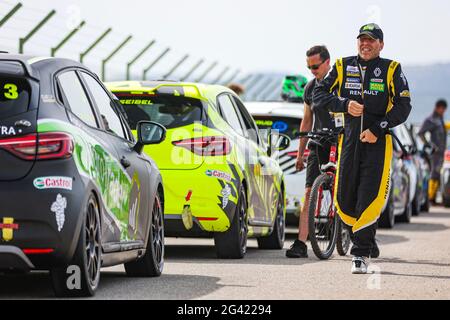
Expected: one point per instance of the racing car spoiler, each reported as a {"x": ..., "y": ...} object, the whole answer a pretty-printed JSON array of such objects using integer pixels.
[
  {"x": 25, "y": 68},
  {"x": 188, "y": 90}
]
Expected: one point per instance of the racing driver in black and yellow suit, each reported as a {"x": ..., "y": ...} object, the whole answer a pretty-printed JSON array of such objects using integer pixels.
[{"x": 374, "y": 95}]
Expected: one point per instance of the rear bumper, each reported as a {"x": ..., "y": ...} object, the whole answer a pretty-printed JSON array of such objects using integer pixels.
[
  {"x": 211, "y": 199},
  {"x": 13, "y": 258},
  {"x": 32, "y": 224}
]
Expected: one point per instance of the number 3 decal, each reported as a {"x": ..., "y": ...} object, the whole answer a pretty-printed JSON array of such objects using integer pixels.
[{"x": 12, "y": 91}]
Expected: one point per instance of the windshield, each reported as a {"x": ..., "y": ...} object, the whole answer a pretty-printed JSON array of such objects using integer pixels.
[
  {"x": 169, "y": 110},
  {"x": 286, "y": 125}
]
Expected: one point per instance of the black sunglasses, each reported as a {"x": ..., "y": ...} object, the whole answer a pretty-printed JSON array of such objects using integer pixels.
[{"x": 315, "y": 66}]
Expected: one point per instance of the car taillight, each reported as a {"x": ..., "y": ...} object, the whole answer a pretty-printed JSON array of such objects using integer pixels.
[
  {"x": 54, "y": 145},
  {"x": 206, "y": 146}
]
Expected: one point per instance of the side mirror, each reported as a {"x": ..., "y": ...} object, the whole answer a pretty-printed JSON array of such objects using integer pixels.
[
  {"x": 277, "y": 142},
  {"x": 149, "y": 132},
  {"x": 283, "y": 142}
]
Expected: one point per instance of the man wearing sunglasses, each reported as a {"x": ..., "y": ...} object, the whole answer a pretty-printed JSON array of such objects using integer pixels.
[
  {"x": 318, "y": 61},
  {"x": 374, "y": 95}
]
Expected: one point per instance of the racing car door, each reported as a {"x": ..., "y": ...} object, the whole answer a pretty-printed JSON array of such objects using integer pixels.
[
  {"x": 135, "y": 217},
  {"x": 266, "y": 166},
  {"x": 248, "y": 157}
]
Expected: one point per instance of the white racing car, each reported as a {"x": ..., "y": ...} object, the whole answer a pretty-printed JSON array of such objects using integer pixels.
[{"x": 286, "y": 118}]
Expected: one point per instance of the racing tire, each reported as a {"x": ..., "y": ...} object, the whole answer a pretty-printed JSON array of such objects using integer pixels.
[
  {"x": 81, "y": 277},
  {"x": 329, "y": 231},
  {"x": 343, "y": 240},
  {"x": 446, "y": 201},
  {"x": 407, "y": 213},
  {"x": 416, "y": 205},
  {"x": 426, "y": 205},
  {"x": 151, "y": 264},
  {"x": 275, "y": 241},
  {"x": 387, "y": 218},
  {"x": 232, "y": 244}
]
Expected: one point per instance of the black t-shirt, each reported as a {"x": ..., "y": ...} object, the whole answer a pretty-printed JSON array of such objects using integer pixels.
[{"x": 322, "y": 117}]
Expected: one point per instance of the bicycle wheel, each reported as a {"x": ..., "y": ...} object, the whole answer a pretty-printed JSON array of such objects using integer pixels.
[
  {"x": 322, "y": 218},
  {"x": 343, "y": 240}
]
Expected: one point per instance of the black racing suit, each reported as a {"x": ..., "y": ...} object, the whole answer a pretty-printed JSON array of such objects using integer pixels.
[{"x": 362, "y": 178}]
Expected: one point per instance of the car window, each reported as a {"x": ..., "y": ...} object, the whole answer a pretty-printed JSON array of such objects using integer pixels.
[
  {"x": 287, "y": 125},
  {"x": 247, "y": 119},
  {"x": 105, "y": 105},
  {"x": 169, "y": 110},
  {"x": 76, "y": 97},
  {"x": 229, "y": 113},
  {"x": 14, "y": 96}
]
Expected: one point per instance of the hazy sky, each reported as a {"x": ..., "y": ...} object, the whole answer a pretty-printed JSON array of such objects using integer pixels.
[{"x": 255, "y": 35}]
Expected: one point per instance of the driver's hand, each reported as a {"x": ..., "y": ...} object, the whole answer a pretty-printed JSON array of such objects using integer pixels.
[
  {"x": 355, "y": 109},
  {"x": 300, "y": 164}
]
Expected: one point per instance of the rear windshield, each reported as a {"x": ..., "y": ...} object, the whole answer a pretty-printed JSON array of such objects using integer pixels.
[
  {"x": 286, "y": 125},
  {"x": 14, "y": 96},
  {"x": 169, "y": 110}
]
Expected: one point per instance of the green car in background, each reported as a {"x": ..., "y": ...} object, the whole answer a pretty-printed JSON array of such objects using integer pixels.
[{"x": 219, "y": 177}]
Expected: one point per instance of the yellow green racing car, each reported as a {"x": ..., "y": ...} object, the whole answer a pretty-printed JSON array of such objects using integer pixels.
[{"x": 220, "y": 177}]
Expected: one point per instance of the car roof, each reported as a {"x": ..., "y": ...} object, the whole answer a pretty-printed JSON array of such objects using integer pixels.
[
  {"x": 275, "y": 108},
  {"x": 33, "y": 65},
  {"x": 190, "y": 89}
]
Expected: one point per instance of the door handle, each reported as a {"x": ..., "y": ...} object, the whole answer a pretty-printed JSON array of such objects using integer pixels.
[{"x": 125, "y": 162}]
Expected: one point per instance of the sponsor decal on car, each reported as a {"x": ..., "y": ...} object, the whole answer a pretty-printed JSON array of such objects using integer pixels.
[
  {"x": 58, "y": 207},
  {"x": 53, "y": 182},
  {"x": 8, "y": 226},
  {"x": 48, "y": 98},
  {"x": 136, "y": 101},
  {"x": 8, "y": 131},
  {"x": 226, "y": 192},
  {"x": 218, "y": 174},
  {"x": 266, "y": 123}
]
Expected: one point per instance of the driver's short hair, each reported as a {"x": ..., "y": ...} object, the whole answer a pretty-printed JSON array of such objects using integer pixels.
[
  {"x": 441, "y": 103},
  {"x": 321, "y": 50}
]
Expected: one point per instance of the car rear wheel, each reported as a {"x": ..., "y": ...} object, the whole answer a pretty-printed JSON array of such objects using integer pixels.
[
  {"x": 406, "y": 215},
  {"x": 426, "y": 205},
  {"x": 152, "y": 263},
  {"x": 416, "y": 204},
  {"x": 81, "y": 277},
  {"x": 387, "y": 218},
  {"x": 232, "y": 244},
  {"x": 276, "y": 239}
]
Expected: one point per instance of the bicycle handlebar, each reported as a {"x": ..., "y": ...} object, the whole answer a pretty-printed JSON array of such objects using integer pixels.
[{"x": 329, "y": 134}]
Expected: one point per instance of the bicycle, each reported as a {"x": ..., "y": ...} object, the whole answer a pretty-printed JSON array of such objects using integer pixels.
[{"x": 326, "y": 230}]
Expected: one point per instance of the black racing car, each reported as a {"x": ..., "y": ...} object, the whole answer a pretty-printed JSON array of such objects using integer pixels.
[{"x": 77, "y": 193}]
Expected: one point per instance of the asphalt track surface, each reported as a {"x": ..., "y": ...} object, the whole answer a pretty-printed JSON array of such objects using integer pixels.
[{"x": 414, "y": 264}]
